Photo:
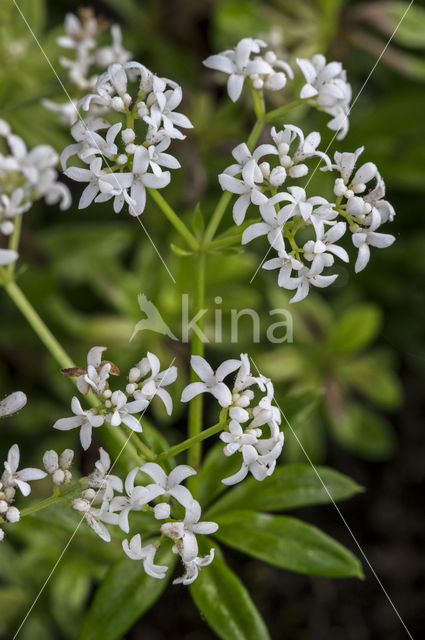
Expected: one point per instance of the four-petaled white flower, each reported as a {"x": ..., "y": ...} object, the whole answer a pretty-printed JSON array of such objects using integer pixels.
[
  {"x": 85, "y": 419},
  {"x": 192, "y": 568},
  {"x": 170, "y": 485},
  {"x": 13, "y": 478},
  {"x": 185, "y": 531},
  {"x": 211, "y": 382},
  {"x": 135, "y": 551}
]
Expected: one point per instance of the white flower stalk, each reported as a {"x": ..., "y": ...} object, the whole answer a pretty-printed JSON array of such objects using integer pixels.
[
  {"x": 134, "y": 550},
  {"x": 12, "y": 403},
  {"x": 121, "y": 166},
  {"x": 246, "y": 61},
  {"x": 12, "y": 478},
  {"x": 58, "y": 466},
  {"x": 327, "y": 88},
  {"x": 25, "y": 176}
]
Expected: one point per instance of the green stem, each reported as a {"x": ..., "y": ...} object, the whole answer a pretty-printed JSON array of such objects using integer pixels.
[
  {"x": 281, "y": 111},
  {"x": 195, "y": 409},
  {"x": 47, "y": 502},
  {"x": 172, "y": 216},
  {"x": 144, "y": 450},
  {"x": 186, "y": 444},
  {"x": 40, "y": 328},
  {"x": 226, "y": 197}
]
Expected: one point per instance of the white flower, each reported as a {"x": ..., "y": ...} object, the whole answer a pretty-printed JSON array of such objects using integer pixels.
[
  {"x": 13, "y": 478},
  {"x": 285, "y": 263},
  {"x": 306, "y": 278},
  {"x": 94, "y": 517},
  {"x": 97, "y": 372},
  {"x": 236, "y": 438},
  {"x": 192, "y": 568},
  {"x": 327, "y": 87},
  {"x": 114, "y": 52},
  {"x": 365, "y": 238},
  {"x": 137, "y": 497},
  {"x": 211, "y": 382},
  {"x": 12, "y": 403},
  {"x": 318, "y": 251},
  {"x": 105, "y": 482},
  {"x": 237, "y": 63},
  {"x": 98, "y": 181},
  {"x": 122, "y": 411},
  {"x": 58, "y": 466},
  {"x": 155, "y": 383},
  {"x": 135, "y": 551},
  {"x": 162, "y": 112},
  {"x": 186, "y": 531},
  {"x": 170, "y": 485},
  {"x": 86, "y": 420},
  {"x": 306, "y": 148},
  {"x": 248, "y": 187}
]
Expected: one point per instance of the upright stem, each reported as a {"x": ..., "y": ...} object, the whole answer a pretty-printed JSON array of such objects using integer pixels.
[
  {"x": 40, "y": 328},
  {"x": 14, "y": 242},
  {"x": 172, "y": 216},
  {"x": 186, "y": 444},
  {"x": 195, "y": 409}
]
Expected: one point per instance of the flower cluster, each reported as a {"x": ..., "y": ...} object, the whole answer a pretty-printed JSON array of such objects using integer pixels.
[
  {"x": 88, "y": 57},
  {"x": 115, "y": 407},
  {"x": 259, "y": 454},
  {"x": 327, "y": 88},
  {"x": 58, "y": 466},
  {"x": 246, "y": 61},
  {"x": 11, "y": 480},
  {"x": 101, "y": 503},
  {"x": 305, "y": 230},
  {"x": 25, "y": 176},
  {"x": 130, "y": 156}
]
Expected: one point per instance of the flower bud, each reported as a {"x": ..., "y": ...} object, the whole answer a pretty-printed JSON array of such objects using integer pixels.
[
  {"x": 3, "y": 506},
  {"x": 13, "y": 515},
  {"x": 1, "y": 535},
  {"x": 117, "y": 104},
  {"x": 277, "y": 176},
  {"x": 298, "y": 171},
  {"x": 122, "y": 159},
  {"x": 339, "y": 187},
  {"x": 161, "y": 511},
  {"x": 128, "y": 135},
  {"x": 134, "y": 374},
  {"x": 276, "y": 81},
  {"x": 66, "y": 458},
  {"x": 50, "y": 461},
  {"x": 58, "y": 477},
  {"x": 130, "y": 149}
]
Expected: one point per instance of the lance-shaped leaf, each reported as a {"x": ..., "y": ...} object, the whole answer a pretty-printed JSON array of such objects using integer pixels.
[
  {"x": 292, "y": 485},
  {"x": 287, "y": 543},
  {"x": 224, "y": 602},
  {"x": 123, "y": 596}
]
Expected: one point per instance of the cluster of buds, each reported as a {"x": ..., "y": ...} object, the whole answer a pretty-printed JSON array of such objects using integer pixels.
[
  {"x": 88, "y": 59},
  {"x": 25, "y": 176}
]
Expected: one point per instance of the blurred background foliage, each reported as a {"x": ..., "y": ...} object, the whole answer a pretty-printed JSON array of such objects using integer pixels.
[{"x": 358, "y": 355}]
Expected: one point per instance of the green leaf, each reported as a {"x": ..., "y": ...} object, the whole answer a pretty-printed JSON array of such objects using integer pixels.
[
  {"x": 410, "y": 22},
  {"x": 124, "y": 595},
  {"x": 287, "y": 543},
  {"x": 179, "y": 251},
  {"x": 297, "y": 407},
  {"x": 373, "y": 376},
  {"x": 294, "y": 485},
  {"x": 224, "y": 602},
  {"x": 365, "y": 433},
  {"x": 156, "y": 441},
  {"x": 357, "y": 327}
]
